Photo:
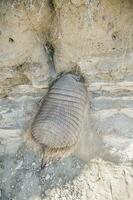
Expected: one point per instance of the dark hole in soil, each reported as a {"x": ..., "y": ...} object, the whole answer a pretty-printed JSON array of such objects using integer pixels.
[{"x": 11, "y": 40}]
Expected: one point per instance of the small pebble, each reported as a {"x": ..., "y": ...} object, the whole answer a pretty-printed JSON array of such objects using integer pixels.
[
  {"x": 47, "y": 177},
  {"x": 33, "y": 164}
]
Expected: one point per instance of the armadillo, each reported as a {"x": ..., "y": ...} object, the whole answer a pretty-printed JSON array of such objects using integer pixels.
[{"x": 57, "y": 126}]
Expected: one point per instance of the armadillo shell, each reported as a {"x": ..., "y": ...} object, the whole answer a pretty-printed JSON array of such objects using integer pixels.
[{"x": 59, "y": 121}]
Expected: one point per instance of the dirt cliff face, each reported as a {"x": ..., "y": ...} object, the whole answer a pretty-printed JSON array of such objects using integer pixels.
[{"x": 97, "y": 37}]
